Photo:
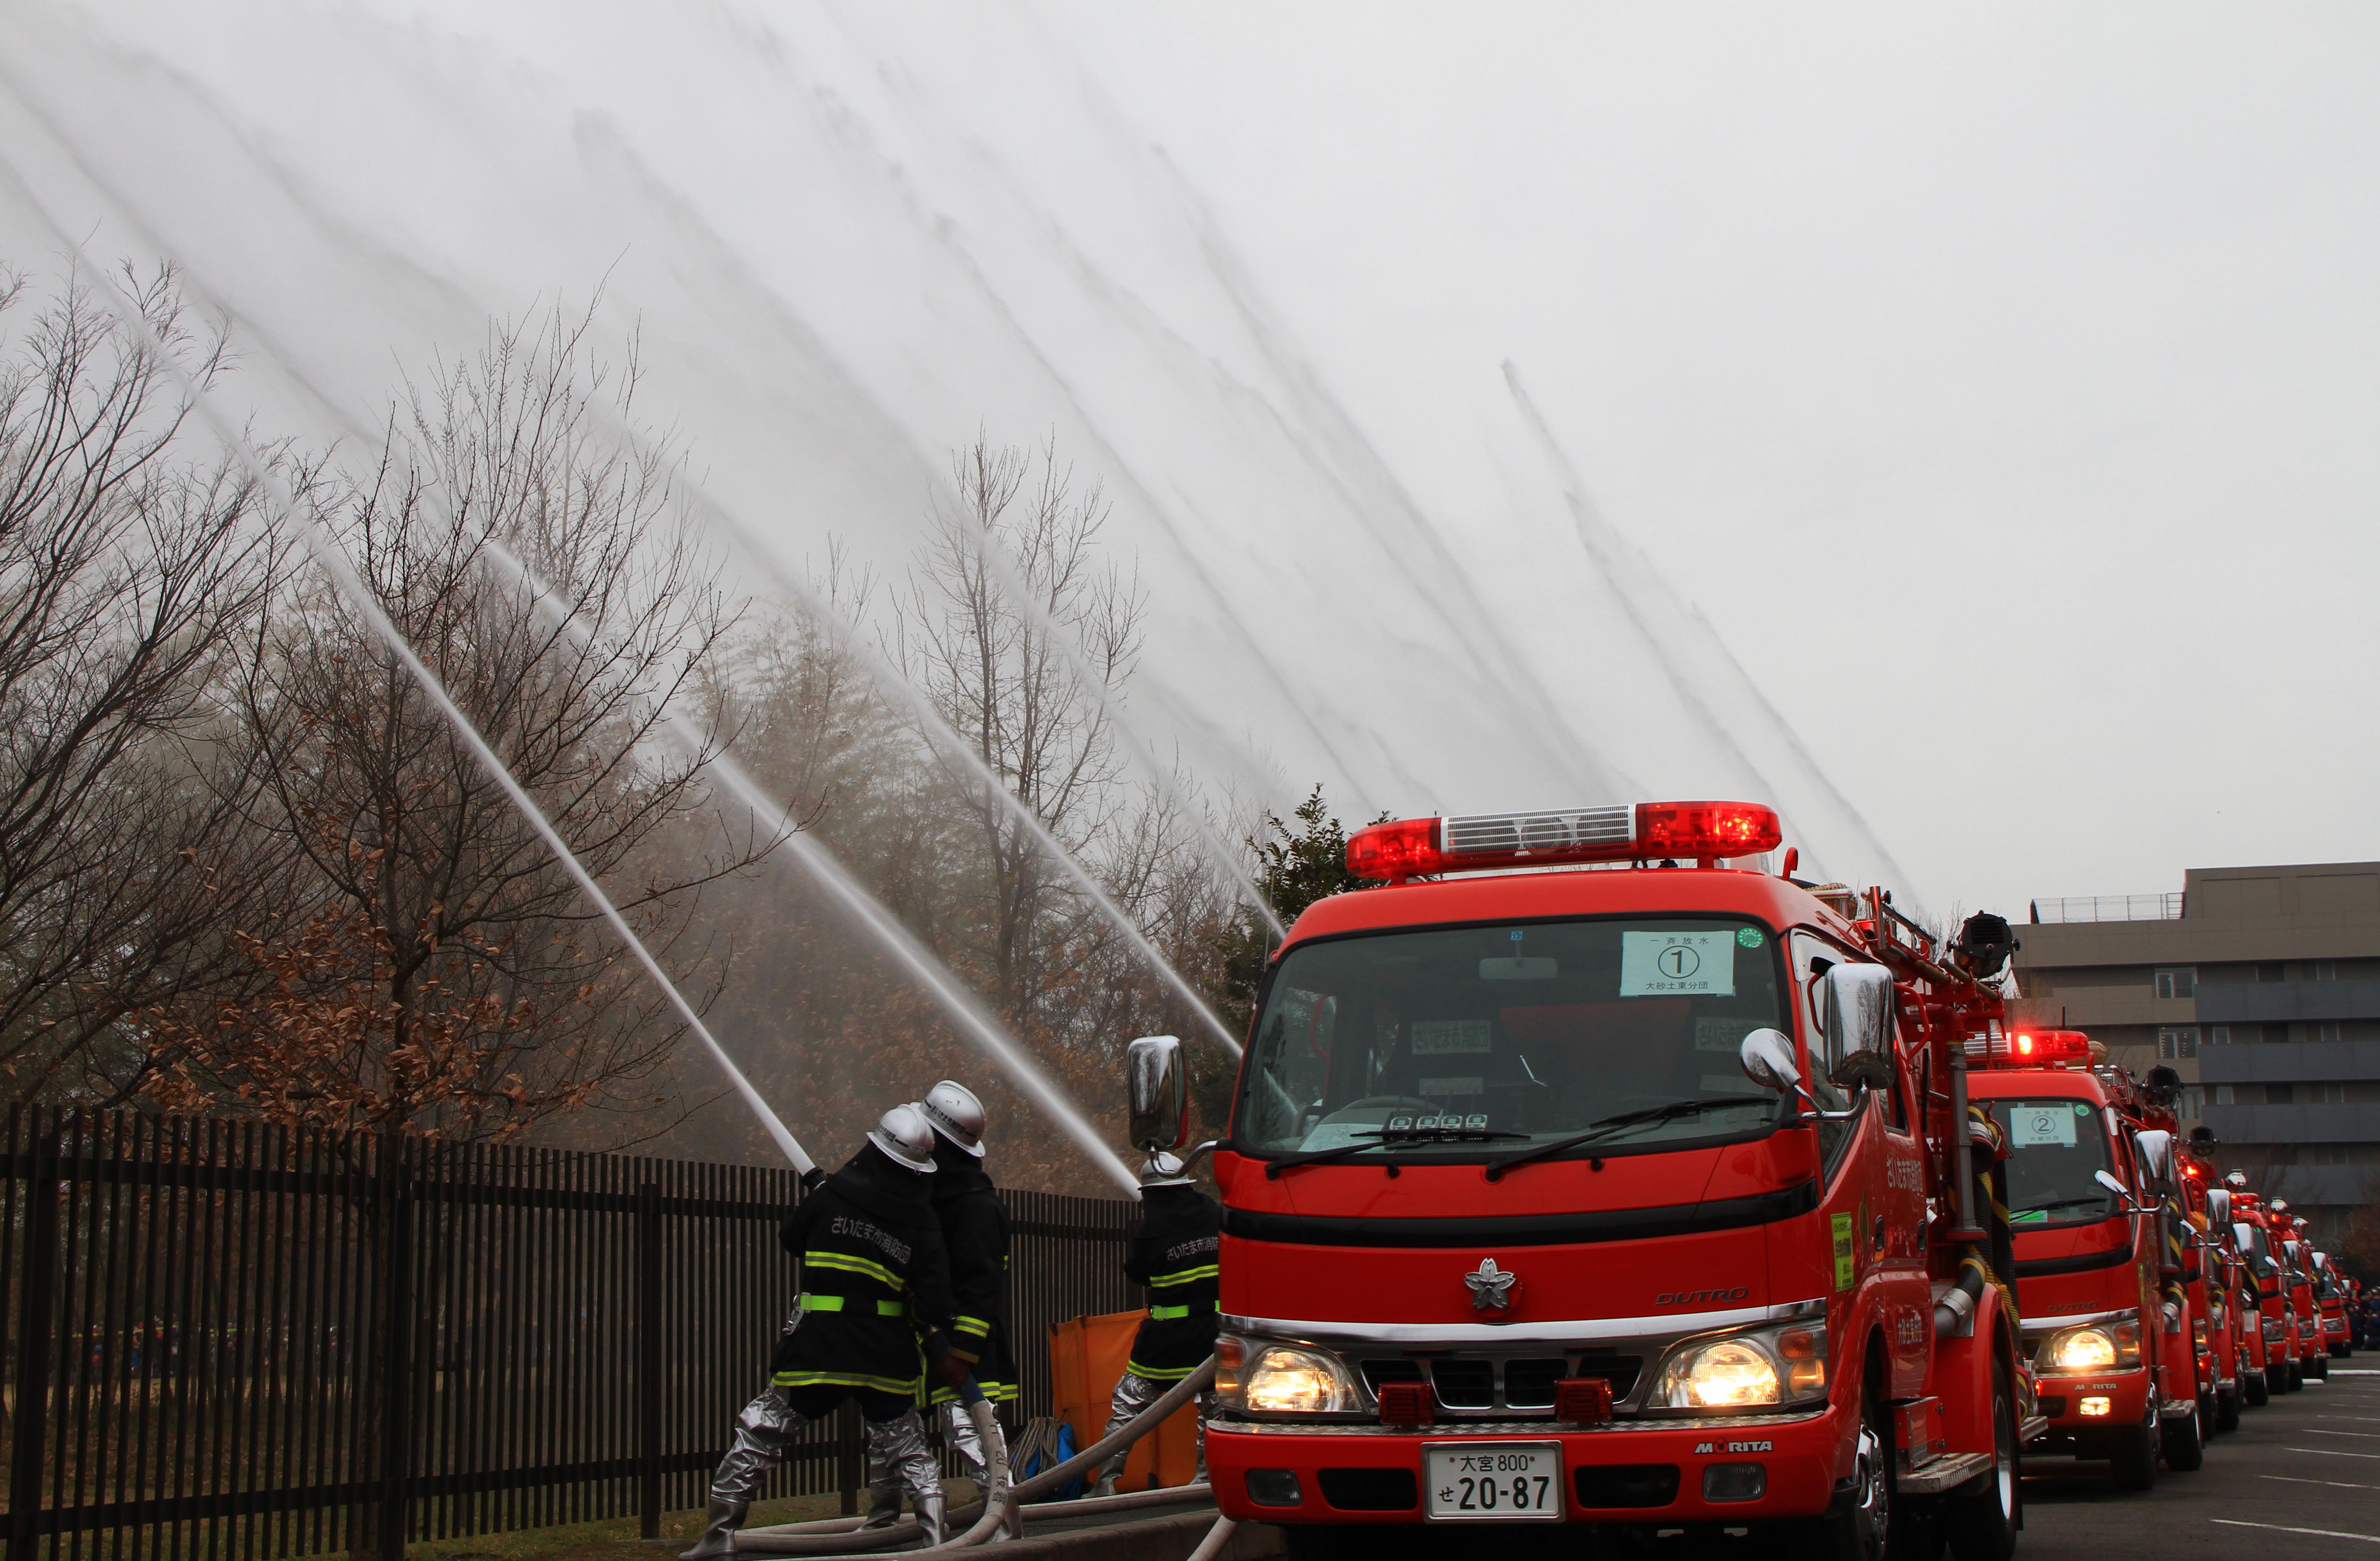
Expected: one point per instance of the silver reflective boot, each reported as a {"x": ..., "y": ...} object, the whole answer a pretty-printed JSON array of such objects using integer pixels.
[
  {"x": 929, "y": 1518},
  {"x": 719, "y": 1538},
  {"x": 883, "y": 1490}
]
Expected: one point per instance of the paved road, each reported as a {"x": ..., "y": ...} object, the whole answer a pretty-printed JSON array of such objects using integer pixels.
[{"x": 2300, "y": 1478}]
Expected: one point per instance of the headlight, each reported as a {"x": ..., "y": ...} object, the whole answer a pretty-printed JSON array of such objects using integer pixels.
[
  {"x": 2094, "y": 1347},
  {"x": 1285, "y": 1381},
  {"x": 1742, "y": 1371}
]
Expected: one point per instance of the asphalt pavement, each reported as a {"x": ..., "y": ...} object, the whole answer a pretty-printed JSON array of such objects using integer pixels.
[{"x": 2300, "y": 1478}]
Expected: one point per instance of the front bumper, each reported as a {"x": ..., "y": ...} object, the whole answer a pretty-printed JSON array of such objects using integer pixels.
[
  {"x": 1654, "y": 1469},
  {"x": 2062, "y": 1398}
]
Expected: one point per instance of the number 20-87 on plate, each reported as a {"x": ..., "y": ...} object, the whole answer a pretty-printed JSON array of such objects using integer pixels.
[{"x": 1493, "y": 1480}]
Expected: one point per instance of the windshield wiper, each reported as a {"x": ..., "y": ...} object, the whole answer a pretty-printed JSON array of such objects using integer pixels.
[
  {"x": 1381, "y": 1139},
  {"x": 2099, "y": 1198},
  {"x": 1609, "y": 1125}
]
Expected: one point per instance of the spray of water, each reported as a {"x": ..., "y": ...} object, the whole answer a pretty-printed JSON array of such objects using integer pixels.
[
  {"x": 323, "y": 548},
  {"x": 804, "y": 849},
  {"x": 1640, "y": 587}
]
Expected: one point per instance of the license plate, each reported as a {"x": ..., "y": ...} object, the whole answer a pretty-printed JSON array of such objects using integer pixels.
[{"x": 1493, "y": 1480}]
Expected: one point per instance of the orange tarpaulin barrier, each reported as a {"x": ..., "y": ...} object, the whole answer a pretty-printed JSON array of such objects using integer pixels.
[{"x": 1086, "y": 1356}]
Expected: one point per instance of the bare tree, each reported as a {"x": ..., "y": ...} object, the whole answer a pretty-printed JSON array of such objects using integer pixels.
[
  {"x": 129, "y": 563},
  {"x": 444, "y": 974},
  {"x": 992, "y": 666}
]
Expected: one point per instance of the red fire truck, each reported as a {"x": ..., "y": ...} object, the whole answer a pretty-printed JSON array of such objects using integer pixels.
[
  {"x": 2215, "y": 1288},
  {"x": 2330, "y": 1295},
  {"x": 1643, "y": 1192},
  {"x": 2252, "y": 1225},
  {"x": 2305, "y": 1304},
  {"x": 2099, "y": 1254}
]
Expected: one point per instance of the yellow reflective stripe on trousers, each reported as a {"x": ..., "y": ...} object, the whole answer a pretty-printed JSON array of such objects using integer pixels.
[
  {"x": 1159, "y": 1374},
  {"x": 972, "y": 1326},
  {"x": 809, "y": 1302},
  {"x": 998, "y": 1392},
  {"x": 1187, "y": 1275},
  {"x": 845, "y": 1379},
  {"x": 850, "y": 1264}
]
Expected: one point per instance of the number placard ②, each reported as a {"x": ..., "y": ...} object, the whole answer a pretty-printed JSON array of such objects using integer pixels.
[
  {"x": 1495, "y": 1481},
  {"x": 2035, "y": 1127}
]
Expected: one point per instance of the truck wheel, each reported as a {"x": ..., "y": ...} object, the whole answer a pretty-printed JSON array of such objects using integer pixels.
[
  {"x": 1983, "y": 1515},
  {"x": 2210, "y": 1419},
  {"x": 2227, "y": 1411},
  {"x": 2321, "y": 1368},
  {"x": 2258, "y": 1390},
  {"x": 2134, "y": 1461},
  {"x": 2184, "y": 1444},
  {"x": 2292, "y": 1379},
  {"x": 1857, "y": 1528},
  {"x": 2276, "y": 1380}
]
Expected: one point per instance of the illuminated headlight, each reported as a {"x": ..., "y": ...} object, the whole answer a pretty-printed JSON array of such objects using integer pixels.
[
  {"x": 2094, "y": 1347},
  {"x": 1282, "y": 1380},
  {"x": 1746, "y": 1370}
]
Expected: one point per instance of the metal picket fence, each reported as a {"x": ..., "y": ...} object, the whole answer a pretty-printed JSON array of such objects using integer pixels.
[{"x": 226, "y": 1339}]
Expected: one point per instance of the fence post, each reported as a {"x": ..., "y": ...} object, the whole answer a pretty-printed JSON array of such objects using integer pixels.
[
  {"x": 649, "y": 1358},
  {"x": 396, "y": 1413},
  {"x": 33, "y": 1345}
]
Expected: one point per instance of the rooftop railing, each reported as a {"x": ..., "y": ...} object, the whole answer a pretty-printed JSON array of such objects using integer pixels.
[{"x": 2110, "y": 908}]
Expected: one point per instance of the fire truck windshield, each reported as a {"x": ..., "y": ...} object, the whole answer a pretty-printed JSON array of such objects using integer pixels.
[
  {"x": 2056, "y": 1149},
  {"x": 1479, "y": 1040}
]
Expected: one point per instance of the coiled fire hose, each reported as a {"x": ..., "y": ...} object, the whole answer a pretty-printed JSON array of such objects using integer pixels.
[{"x": 845, "y": 1536}]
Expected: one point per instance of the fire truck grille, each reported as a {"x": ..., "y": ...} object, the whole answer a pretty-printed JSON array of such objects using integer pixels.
[{"x": 1486, "y": 1385}]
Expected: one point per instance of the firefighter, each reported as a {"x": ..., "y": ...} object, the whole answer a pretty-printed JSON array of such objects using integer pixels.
[
  {"x": 975, "y": 1232},
  {"x": 872, "y": 1266},
  {"x": 1173, "y": 1253}
]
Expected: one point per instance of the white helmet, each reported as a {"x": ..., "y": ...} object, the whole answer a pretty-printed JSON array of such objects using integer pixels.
[
  {"x": 1165, "y": 1171},
  {"x": 956, "y": 1114},
  {"x": 903, "y": 1134}
]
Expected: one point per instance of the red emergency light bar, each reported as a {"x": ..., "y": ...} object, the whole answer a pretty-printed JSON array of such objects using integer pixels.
[
  {"x": 2029, "y": 1048},
  {"x": 1706, "y": 831}
]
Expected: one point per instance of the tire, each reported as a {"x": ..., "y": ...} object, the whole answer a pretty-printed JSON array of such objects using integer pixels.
[
  {"x": 2276, "y": 1380},
  {"x": 2293, "y": 1378},
  {"x": 2227, "y": 1411},
  {"x": 1983, "y": 1517},
  {"x": 1863, "y": 1527},
  {"x": 2209, "y": 1417},
  {"x": 2256, "y": 1390},
  {"x": 2183, "y": 1442},
  {"x": 2134, "y": 1462}
]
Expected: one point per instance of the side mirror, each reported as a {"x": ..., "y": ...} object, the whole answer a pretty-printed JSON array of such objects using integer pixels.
[
  {"x": 1156, "y": 1092},
  {"x": 1859, "y": 1023},
  {"x": 1767, "y": 1057},
  {"x": 2156, "y": 1149},
  {"x": 2218, "y": 1206},
  {"x": 2109, "y": 1181}
]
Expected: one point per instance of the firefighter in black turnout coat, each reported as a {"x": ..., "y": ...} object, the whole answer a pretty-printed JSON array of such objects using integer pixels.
[
  {"x": 875, "y": 1280},
  {"x": 1174, "y": 1252},
  {"x": 975, "y": 1232}
]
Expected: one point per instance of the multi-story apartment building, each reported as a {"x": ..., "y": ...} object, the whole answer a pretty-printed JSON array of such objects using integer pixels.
[{"x": 2260, "y": 985}]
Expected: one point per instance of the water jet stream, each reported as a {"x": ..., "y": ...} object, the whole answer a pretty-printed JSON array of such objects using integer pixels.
[
  {"x": 963, "y": 1007},
  {"x": 323, "y": 547}
]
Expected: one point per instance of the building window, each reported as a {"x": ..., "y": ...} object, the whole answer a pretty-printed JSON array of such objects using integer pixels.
[
  {"x": 2174, "y": 1043},
  {"x": 2275, "y": 1033},
  {"x": 2328, "y": 1155},
  {"x": 2179, "y": 980},
  {"x": 2326, "y": 1094},
  {"x": 2194, "y": 1103},
  {"x": 2271, "y": 970},
  {"x": 2326, "y": 970},
  {"x": 2279, "y": 1094},
  {"x": 2222, "y": 1036},
  {"x": 2326, "y": 1030},
  {"x": 2223, "y": 1096}
]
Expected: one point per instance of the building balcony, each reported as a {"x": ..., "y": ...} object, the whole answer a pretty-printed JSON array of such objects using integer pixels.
[
  {"x": 2254, "y": 1062},
  {"x": 2348, "y": 1123},
  {"x": 2279, "y": 1001}
]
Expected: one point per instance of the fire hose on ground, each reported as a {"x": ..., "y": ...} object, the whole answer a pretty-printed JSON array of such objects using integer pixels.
[{"x": 847, "y": 1536}]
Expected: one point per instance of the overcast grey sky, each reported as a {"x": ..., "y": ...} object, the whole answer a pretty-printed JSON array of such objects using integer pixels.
[{"x": 1998, "y": 384}]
